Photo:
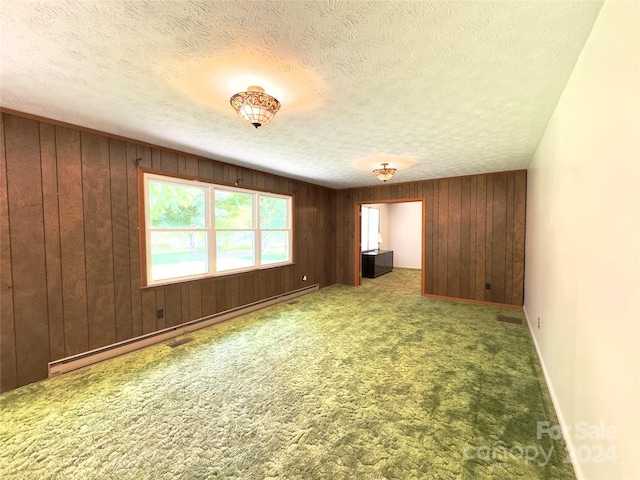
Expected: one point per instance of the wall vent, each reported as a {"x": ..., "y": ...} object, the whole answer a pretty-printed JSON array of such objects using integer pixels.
[{"x": 505, "y": 319}]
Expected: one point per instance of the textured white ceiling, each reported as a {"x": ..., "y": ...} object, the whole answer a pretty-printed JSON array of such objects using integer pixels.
[{"x": 447, "y": 88}]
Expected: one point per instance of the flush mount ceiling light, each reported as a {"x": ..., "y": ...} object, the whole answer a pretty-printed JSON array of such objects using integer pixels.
[
  {"x": 384, "y": 173},
  {"x": 254, "y": 106}
]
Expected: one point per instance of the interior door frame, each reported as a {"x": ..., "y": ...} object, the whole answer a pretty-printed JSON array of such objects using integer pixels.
[{"x": 358, "y": 237}]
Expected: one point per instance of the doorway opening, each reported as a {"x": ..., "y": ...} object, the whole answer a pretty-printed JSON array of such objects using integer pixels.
[{"x": 385, "y": 226}]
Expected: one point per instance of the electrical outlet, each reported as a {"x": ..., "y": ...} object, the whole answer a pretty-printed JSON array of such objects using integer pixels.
[
  {"x": 304, "y": 278},
  {"x": 487, "y": 286},
  {"x": 538, "y": 323},
  {"x": 160, "y": 313}
]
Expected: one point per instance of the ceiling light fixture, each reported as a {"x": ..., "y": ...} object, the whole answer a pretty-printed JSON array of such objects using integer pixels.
[
  {"x": 254, "y": 106},
  {"x": 384, "y": 173}
]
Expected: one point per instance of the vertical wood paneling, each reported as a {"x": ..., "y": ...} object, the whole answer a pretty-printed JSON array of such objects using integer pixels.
[
  {"x": 508, "y": 295},
  {"x": 191, "y": 166},
  {"x": 186, "y": 315},
  {"x": 489, "y": 237},
  {"x": 435, "y": 208},
  {"x": 520, "y": 198},
  {"x": 345, "y": 243},
  {"x": 233, "y": 291},
  {"x": 148, "y": 310},
  {"x": 195, "y": 300},
  {"x": 120, "y": 239},
  {"x": 481, "y": 236},
  {"x": 470, "y": 233},
  {"x": 220, "y": 294},
  {"x": 253, "y": 287},
  {"x": 80, "y": 190},
  {"x": 24, "y": 191},
  {"x": 453, "y": 219},
  {"x": 428, "y": 240},
  {"x": 443, "y": 236},
  {"x": 55, "y": 312},
  {"x": 169, "y": 161},
  {"x": 205, "y": 169},
  {"x": 218, "y": 171},
  {"x": 182, "y": 164},
  {"x": 72, "y": 246},
  {"x": 214, "y": 300},
  {"x": 8, "y": 362},
  {"x": 144, "y": 156},
  {"x": 465, "y": 237},
  {"x": 156, "y": 158},
  {"x": 134, "y": 241},
  {"x": 85, "y": 240},
  {"x": 161, "y": 322},
  {"x": 473, "y": 232},
  {"x": 173, "y": 305},
  {"x": 98, "y": 240},
  {"x": 499, "y": 239},
  {"x": 248, "y": 178}
]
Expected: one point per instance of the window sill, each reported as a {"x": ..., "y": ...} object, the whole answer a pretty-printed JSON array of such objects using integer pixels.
[{"x": 216, "y": 275}]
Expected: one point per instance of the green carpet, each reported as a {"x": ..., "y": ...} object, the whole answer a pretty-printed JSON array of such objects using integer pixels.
[{"x": 371, "y": 382}]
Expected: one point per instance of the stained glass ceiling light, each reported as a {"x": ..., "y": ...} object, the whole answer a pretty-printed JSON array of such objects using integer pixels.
[
  {"x": 384, "y": 173},
  {"x": 254, "y": 106}
]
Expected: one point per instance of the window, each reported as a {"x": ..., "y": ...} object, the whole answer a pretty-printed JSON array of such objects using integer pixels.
[
  {"x": 370, "y": 228},
  {"x": 195, "y": 229}
]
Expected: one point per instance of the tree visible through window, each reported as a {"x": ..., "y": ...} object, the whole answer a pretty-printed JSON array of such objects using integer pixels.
[
  {"x": 195, "y": 229},
  {"x": 177, "y": 230}
]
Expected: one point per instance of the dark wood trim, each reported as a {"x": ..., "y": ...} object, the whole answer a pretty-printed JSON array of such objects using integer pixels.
[
  {"x": 358, "y": 232},
  {"x": 423, "y": 274},
  {"x": 358, "y": 250},
  {"x": 212, "y": 181},
  {"x": 473, "y": 302},
  {"x": 142, "y": 228}
]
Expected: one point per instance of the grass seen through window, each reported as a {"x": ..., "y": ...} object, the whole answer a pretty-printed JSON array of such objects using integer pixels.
[{"x": 195, "y": 229}]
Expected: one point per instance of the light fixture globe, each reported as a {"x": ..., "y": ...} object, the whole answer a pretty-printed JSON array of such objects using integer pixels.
[
  {"x": 254, "y": 106},
  {"x": 384, "y": 173}
]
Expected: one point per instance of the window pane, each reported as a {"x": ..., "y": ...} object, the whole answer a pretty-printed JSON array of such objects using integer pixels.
[
  {"x": 275, "y": 247},
  {"x": 235, "y": 250},
  {"x": 234, "y": 210},
  {"x": 364, "y": 229},
  {"x": 273, "y": 212},
  {"x": 374, "y": 228},
  {"x": 370, "y": 226},
  {"x": 178, "y": 254},
  {"x": 176, "y": 206}
]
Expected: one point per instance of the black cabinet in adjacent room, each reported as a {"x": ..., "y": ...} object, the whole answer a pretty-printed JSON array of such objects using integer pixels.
[{"x": 376, "y": 263}]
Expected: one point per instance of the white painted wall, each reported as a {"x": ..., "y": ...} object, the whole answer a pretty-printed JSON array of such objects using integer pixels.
[
  {"x": 405, "y": 234},
  {"x": 582, "y": 249}
]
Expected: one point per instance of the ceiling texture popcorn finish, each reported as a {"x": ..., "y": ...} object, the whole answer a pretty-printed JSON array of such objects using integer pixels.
[{"x": 449, "y": 88}]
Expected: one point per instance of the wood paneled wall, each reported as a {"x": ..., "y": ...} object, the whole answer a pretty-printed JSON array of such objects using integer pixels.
[
  {"x": 70, "y": 260},
  {"x": 70, "y": 255},
  {"x": 474, "y": 234}
]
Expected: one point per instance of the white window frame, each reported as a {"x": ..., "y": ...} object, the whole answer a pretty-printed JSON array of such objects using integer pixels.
[
  {"x": 210, "y": 230},
  {"x": 370, "y": 228}
]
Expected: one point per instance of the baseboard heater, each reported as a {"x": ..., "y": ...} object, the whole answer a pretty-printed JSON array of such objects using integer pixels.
[{"x": 80, "y": 360}]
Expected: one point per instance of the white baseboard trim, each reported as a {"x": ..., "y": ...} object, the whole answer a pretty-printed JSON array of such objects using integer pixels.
[
  {"x": 577, "y": 467},
  {"x": 84, "y": 359}
]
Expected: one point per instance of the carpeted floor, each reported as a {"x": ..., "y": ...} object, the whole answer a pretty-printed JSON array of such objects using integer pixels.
[{"x": 371, "y": 382}]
